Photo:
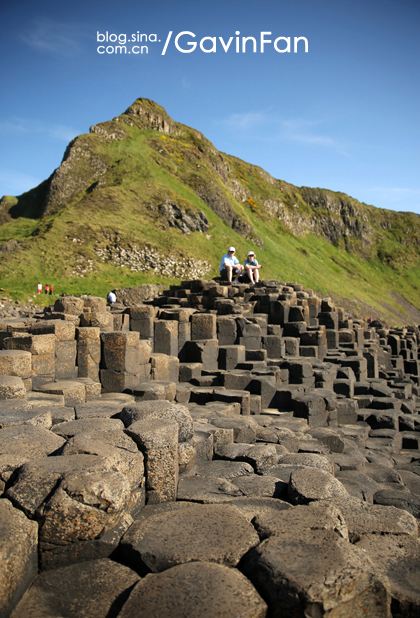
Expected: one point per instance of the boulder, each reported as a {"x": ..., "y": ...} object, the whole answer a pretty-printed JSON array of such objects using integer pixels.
[
  {"x": 196, "y": 590},
  {"x": 88, "y": 590},
  {"x": 260, "y": 456},
  {"x": 197, "y": 533},
  {"x": 308, "y": 484},
  {"x": 18, "y": 555},
  {"x": 143, "y": 410},
  {"x": 397, "y": 558},
  {"x": 207, "y": 490},
  {"x": 298, "y": 519},
  {"x": 362, "y": 518},
  {"x": 319, "y": 574},
  {"x": 28, "y": 441}
]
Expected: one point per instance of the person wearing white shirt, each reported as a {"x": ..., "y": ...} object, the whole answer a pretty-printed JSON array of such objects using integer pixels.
[
  {"x": 230, "y": 265},
  {"x": 111, "y": 297}
]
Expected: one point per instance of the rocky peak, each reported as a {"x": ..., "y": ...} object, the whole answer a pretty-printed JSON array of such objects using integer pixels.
[{"x": 147, "y": 114}]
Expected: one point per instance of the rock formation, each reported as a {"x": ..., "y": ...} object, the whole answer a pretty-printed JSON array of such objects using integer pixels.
[
  {"x": 143, "y": 198},
  {"x": 217, "y": 451}
]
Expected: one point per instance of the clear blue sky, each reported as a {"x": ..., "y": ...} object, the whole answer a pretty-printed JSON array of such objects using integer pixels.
[{"x": 344, "y": 116}]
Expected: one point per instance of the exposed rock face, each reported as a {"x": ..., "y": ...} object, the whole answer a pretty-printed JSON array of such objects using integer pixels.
[
  {"x": 142, "y": 174},
  {"x": 145, "y": 113},
  {"x": 218, "y": 201},
  {"x": 149, "y": 258},
  {"x": 337, "y": 217},
  {"x": 185, "y": 221},
  {"x": 235, "y": 450},
  {"x": 65, "y": 182}
]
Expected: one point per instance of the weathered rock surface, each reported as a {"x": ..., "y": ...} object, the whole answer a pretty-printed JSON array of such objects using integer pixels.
[
  {"x": 210, "y": 430},
  {"x": 196, "y": 590},
  {"x": 210, "y": 533},
  {"x": 18, "y": 555},
  {"x": 316, "y": 572},
  {"x": 89, "y": 589}
]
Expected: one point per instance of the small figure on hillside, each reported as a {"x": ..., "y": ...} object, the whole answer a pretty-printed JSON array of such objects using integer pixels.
[
  {"x": 39, "y": 288},
  {"x": 230, "y": 265},
  {"x": 111, "y": 297},
  {"x": 47, "y": 288},
  {"x": 51, "y": 289},
  {"x": 252, "y": 267}
]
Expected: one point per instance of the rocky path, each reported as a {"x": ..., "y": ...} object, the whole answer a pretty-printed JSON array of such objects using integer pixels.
[{"x": 216, "y": 452}]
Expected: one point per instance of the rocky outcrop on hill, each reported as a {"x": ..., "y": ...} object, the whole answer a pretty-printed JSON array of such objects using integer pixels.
[
  {"x": 87, "y": 166},
  {"x": 149, "y": 258},
  {"x": 152, "y": 180},
  {"x": 213, "y": 451}
]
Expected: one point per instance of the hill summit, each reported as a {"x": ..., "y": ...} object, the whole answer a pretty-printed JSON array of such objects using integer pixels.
[{"x": 142, "y": 198}]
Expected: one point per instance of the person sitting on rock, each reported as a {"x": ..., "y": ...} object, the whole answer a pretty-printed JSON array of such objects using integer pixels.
[
  {"x": 252, "y": 267},
  {"x": 112, "y": 297},
  {"x": 230, "y": 265}
]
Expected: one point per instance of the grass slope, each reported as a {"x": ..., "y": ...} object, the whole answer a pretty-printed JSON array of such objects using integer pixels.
[{"x": 376, "y": 271}]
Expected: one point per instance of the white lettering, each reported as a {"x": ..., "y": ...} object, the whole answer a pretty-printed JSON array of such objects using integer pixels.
[
  {"x": 296, "y": 41},
  {"x": 264, "y": 41},
  {"x": 245, "y": 40},
  {"x": 213, "y": 45},
  {"x": 192, "y": 45},
  {"x": 282, "y": 50},
  {"x": 226, "y": 44}
]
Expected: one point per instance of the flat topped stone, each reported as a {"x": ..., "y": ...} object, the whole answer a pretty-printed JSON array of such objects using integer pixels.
[
  {"x": 398, "y": 559},
  {"x": 87, "y": 589},
  {"x": 311, "y": 460},
  {"x": 98, "y": 425},
  {"x": 97, "y": 408},
  {"x": 259, "y": 456},
  {"x": 317, "y": 572},
  {"x": 251, "y": 506},
  {"x": 196, "y": 590},
  {"x": 37, "y": 479},
  {"x": 211, "y": 533},
  {"x": 14, "y": 405},
  {"x": 38, "y": 417},
  {"x": 12, "y": 387},
  {"x": 74, "y": 392},
  {"x": 142, "y": 410},
  {"x": 256, "y": 485},
  {"x": 308, "y": 484},
  {"x": 206, "y": 490},
  {"x": 293, "y": 521},
  {"x": 362, "y": 518},
  {"x": 220, "y": 469},
  {"x": 29, "y": 441}
]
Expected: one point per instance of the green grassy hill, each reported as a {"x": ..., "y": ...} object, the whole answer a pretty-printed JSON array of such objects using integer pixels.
[{"x": 142, "y": 198}]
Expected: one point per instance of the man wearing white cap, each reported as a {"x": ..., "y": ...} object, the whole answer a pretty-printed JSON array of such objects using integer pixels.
[
  {"x": 229, "y": 265},
  {"x": 252, "y": 267}
]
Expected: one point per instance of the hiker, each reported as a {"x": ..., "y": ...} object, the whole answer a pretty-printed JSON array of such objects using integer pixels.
[
  {"x": 230, "y": 265},
  {"x": 111, "y": 297},
  {"x": 252, "y": 267},
  {"x": 47, "y": 288},
  {"x": 39, "y": 288},
  {"x": 51, "y": 289}
]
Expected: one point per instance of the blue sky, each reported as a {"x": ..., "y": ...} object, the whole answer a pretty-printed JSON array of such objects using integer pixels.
[{"x": 344, "y": 116}]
